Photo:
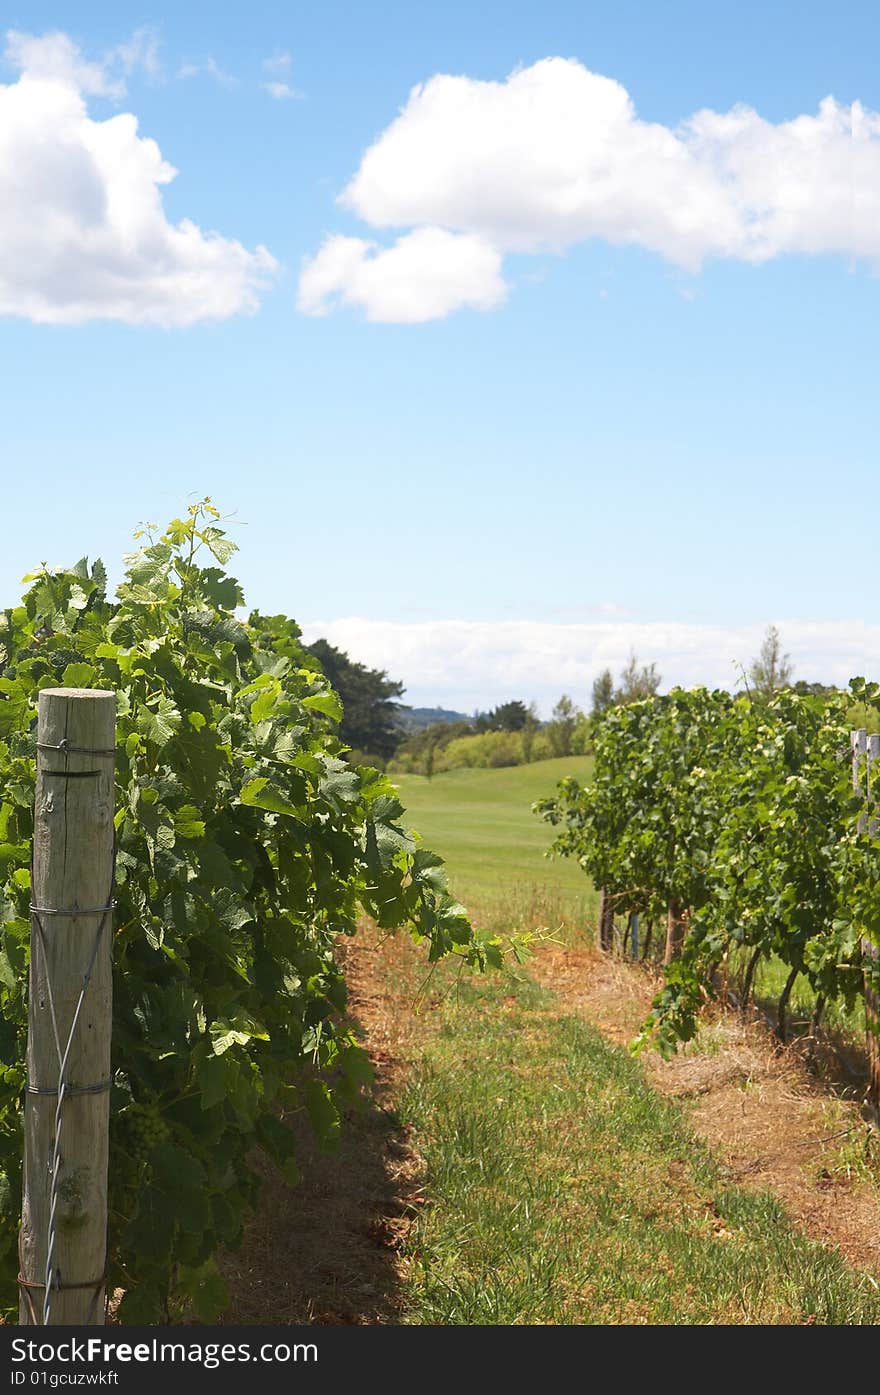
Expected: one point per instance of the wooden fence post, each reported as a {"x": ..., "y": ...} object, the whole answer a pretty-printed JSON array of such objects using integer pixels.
[{"x": 63, "y": 1238}]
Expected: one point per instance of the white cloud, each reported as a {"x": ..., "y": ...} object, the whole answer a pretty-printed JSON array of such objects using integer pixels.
[
  {"x": 469, "y": 664},
  {"x": 278, "y": 62},
  {"x": 556, "y": 155},
  {"x": 140, "y": 51},
  {"x": 211, "y": 69},
  {"x": 55, "y": 58},
  {"x": 83, "y": 231},
  {"x": 423, "y": 276},
  {"x": 281, "y": 91}
]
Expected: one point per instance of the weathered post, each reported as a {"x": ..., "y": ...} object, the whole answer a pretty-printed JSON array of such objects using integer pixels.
[{"x": 63, "y": 1239}]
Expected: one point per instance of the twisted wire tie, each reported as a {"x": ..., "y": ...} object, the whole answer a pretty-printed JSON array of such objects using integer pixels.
[
  {"x": 73, "y": 910},
  {"x": 99, "y": 1089},
  {"x": 65, "y": 748}
]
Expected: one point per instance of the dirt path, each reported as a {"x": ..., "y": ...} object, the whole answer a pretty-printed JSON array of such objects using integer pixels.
[
  {"x": 770, "y": 1122},
  {"x": 329, "y": 1250}
]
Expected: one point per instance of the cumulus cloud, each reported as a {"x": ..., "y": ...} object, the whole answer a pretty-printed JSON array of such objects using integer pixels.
[
  {"x": 83, "y": 231},
  {"x": 557, "y": 155},
  {"x": 56, "y": 58},
  {"x": 469, "y": 664},
  {"x": 423, "y": 276}
]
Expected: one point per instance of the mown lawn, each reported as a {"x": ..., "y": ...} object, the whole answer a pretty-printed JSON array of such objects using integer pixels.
[
  {"x": 481, "y": 822},
  {"x": 560, "y": 1188}
]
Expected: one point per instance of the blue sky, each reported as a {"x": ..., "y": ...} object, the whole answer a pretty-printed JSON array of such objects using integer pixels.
[{"x": 597, "y": 438}]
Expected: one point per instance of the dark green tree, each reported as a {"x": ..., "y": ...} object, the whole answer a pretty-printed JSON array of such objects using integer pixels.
[
  {"x": 370, "y": 714},
  {"x": 509, "y": 716}
]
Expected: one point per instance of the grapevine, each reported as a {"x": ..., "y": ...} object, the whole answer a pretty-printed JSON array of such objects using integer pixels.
[
  {"x": 247, "y": 846},
  {"x": 739, "y": 813}
]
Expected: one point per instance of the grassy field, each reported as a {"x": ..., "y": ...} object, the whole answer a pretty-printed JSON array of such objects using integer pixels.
[
  {"x": 481, "y": 822},
  {"x": 560, "y": 1188}
]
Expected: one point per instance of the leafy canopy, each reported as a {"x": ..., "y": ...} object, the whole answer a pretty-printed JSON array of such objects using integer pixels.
[
  {"x": 742, "y": 813},
  {"x": 246, "y": 847},
  {"x": 370, "y": 712}
]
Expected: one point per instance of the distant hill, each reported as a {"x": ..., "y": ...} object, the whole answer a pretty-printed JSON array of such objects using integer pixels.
[{"x": 418, "y": 718}]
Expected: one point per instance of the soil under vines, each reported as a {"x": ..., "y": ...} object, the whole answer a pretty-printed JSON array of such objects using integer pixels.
[{"x": 329, "y": 1250}]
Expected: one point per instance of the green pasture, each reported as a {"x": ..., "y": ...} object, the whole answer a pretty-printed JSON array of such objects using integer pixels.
[{"x": 481, "y": 822}]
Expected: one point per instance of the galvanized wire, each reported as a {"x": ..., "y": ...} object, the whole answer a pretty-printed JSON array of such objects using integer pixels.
[
  {"x": 63, "y": 1058},
  {"x": 52, "y": 1278}
]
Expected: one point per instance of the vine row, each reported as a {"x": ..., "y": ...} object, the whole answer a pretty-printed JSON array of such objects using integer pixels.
[
  {"x": 734, "y": 822},
  {"x": 247, "y": 846}
]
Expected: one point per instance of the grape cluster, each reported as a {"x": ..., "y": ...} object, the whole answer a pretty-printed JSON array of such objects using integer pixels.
[
  {"x": 60, "y": 658},
  {"x": 146, "y": 1130}
]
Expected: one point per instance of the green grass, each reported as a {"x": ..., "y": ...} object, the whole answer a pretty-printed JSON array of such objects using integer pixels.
[
  {"x": 769, "y": 981},
  {"x": 561, "y": 1189},
  {"x": 481, "y": 822}
]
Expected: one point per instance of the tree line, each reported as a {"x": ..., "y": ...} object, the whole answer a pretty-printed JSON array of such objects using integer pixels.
[{"x": 378, "y": 728}]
